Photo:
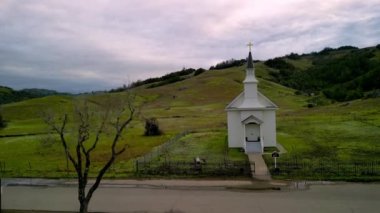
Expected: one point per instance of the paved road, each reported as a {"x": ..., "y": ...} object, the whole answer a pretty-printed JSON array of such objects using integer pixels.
[{"x": 127, "y": 198}]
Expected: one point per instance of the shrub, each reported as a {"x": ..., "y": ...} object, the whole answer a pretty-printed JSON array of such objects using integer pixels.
[
  {"x": 326, "y": 50},
  {"x": 373, "y": 94},
  {"x": 2, "y": 122},
  {"x": 347, "y": 48},
  {"x": 152, "y": 127},
  {"x": 293, "y": 56},
  {"x": 279, "y": 63},
  {"x": 199, "y": 71},
  {"x": 354, "y": 94}
]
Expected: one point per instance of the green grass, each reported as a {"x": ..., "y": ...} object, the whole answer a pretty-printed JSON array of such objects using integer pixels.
[
  {"x": 270, "y": 150},
  {"x": 351, "y": 132},
  {"x": 302, "y": 64},
  {"x": 341, "y": 133},
  {"x": 211, "y": 146}
]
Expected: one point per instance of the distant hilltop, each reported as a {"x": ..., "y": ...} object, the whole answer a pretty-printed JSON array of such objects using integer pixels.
[{"x": 8, "y": 95}]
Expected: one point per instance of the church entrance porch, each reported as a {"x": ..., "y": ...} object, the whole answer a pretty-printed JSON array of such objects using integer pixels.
[
  {"x": 253, "y": 141},
  {"x": 253, "y": 147}
]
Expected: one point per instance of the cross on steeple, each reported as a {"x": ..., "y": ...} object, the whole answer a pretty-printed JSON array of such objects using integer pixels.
[{"x": 250, "y": 45}]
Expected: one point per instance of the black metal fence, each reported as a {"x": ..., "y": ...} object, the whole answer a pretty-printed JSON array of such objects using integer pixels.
[
  {"x": 183, "y": 168},
  {"x": 159, "y": 163},
  {"x": 326, "y": 169}
]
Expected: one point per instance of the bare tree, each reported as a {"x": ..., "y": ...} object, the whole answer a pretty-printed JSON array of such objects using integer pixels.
[{"x": 83, "y": 146}]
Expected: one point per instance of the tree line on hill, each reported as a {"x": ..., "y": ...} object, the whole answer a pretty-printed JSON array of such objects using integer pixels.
[
  {"x": 8, "y": 95},
  {"x": 341, "y": 74},
  {"x": 228, "y": 63},
  {"x": 179, "y": 75},
  {"x": 163, "y": 80}
]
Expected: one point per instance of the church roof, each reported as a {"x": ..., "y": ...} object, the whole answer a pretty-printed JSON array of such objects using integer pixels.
[
  {"x": 263, "y": 103},
  {"x": 249, "y": 60}
]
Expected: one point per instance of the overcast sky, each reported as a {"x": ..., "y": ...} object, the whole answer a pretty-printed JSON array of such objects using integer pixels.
[{"x": 87, "y": 45}]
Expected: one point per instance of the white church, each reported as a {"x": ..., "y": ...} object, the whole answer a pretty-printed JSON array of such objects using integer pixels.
[{"x": 251, "y": 116}]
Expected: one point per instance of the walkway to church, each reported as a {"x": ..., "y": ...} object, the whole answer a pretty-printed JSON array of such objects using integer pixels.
[{"x": 258, "y": 167}]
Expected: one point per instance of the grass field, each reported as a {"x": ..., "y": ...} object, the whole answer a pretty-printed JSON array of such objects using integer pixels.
[
  {"x": 346, "y": 132},
  {"x": 205, "y": 145},
  {"x": 340, "y": 131}
]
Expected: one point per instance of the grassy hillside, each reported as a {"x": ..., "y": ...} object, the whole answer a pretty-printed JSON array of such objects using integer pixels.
[{"x": 347, "y": 131}]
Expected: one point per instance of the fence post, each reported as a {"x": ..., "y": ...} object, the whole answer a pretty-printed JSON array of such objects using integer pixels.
[
  {"x": 2, "y": 170},
  {"x": 338, "y": 169},
  {"x": 1, "y": 192}
]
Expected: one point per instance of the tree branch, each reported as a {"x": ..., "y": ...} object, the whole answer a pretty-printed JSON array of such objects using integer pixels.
[
  {"x": 114, "y": 153},
  {"x": 61, "y": 132},
  {"x": 99, "y": 131}
]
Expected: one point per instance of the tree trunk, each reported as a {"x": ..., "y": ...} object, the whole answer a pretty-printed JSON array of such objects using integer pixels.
[{"x": 83, "y": 206}]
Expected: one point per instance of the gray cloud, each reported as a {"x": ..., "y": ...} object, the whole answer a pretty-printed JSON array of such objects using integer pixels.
[{"x": 98, "y": 44}]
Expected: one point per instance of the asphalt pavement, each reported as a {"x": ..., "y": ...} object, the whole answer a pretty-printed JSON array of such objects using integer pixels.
[{"x": 196, "y": 196}]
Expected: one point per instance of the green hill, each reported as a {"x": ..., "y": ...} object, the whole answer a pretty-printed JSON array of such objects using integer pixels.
[
  {"x": 341, "y": 131},
  {"x": 341, "y": 74}
]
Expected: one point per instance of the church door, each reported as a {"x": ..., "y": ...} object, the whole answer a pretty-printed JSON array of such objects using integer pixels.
[
  {"x": 252, "y": 138},
  {"x": 252, "y": 132}
]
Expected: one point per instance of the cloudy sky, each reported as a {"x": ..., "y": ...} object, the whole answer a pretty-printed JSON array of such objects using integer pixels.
[{"x": 87, "y": 45}]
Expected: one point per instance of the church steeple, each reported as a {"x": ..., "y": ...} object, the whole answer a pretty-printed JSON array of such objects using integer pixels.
[
  {"x": 250, "y": 71},
  {"x": 250, "y": 60},
  {"x": 250, "y": 83}
]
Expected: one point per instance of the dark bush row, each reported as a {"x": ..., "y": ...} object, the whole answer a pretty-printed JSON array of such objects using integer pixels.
[{"x": 228, "y": 63}]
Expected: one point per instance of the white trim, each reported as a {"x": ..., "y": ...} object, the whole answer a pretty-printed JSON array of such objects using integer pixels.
[
  {"x": 252, "y": 117},
  {"x": 245, "y": 141},
  {"x": 261, "y": 138}
]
